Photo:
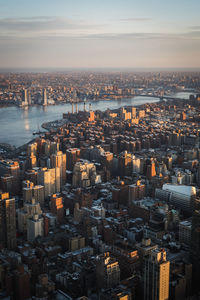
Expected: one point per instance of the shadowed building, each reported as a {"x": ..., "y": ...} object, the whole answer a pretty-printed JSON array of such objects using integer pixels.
[
  {"x": 7, "y": 221},
  {"x": 195, "y": 244},
  {"x": 156, "y": 276},
  {"x": 57, "y": 207},
  {"x": 107, "y": 271}
]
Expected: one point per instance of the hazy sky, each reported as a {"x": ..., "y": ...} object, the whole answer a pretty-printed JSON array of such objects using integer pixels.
[{"x": 99, "y": 33}]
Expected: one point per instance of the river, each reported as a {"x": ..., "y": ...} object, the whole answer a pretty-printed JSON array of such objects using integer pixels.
[{"x": 17, "y": 124}]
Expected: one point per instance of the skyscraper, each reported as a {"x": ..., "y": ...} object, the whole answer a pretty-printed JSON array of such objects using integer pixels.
[
  {"x": 28, "y": 211},
  {"x": 50, "y": 179},
  {"x": 7, "y": 221},
  {"x": 25, "y": 97},
  {"x": 195, "y": 244},
  {"x": 125, "y": 164},
  {"x": 35, "y": 227},
  {"x": 133, "y": 112},
  {"x": 73, "y": 155},
  {"x": 107, "y": 271},
  {"x": 29, "y": 98},
  {"x": 36, "y": 191},
  {"x": 58, "y": 160},
  {"x": 156, "y": 276},
  {"x": 9, "y": 167},
  {"x": 32, "y": 149},
  {"x": 57, "y": 207},
  {"x": 150, "y": 169},
  {"x": 44, "y": 97}
]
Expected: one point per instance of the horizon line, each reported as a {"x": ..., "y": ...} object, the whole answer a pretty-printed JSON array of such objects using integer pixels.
[{"x": 136, "y": 69}]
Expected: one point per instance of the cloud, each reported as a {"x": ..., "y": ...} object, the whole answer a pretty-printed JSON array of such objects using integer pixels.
[
  {"x": 43, "y": 25},
  {"x": 194, "y": 27},
  {"x": 193, "y": 34},
  {"x": 133, "y": 35},
  {"x": 143, "y": 36},
  {"x": 51, "y": 27},
  {"x": 135, "y": 19}
]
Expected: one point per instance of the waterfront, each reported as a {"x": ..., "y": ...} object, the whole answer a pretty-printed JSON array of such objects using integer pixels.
[{"x": 17, "y": 124}]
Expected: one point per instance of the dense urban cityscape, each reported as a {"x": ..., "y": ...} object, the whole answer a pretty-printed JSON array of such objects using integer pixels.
[
  {"x": 99, "y": 150},
  {"x": 103, "y": 204},
  {"x": 26, "y": 89}
]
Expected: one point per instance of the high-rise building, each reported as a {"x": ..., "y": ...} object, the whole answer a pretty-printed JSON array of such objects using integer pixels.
[
  {"x": 185, "y": 232},
  {"x": 181, "y": 196},
  {"x": 32, "y": 149},
  {"x": 91, "y": 116},
  {"x": 27, "y": 184},
  {"x": 107, "y": 271},
  {"x": 31, "y": 162},
  {"x": 31, "y": 175},
  {"x": 36, "y": 192},
  {"x": 136, "y": 164},
  {"x": 35, "y": 227},
  {"x": 7, "y": 221},
  {"x": 44, "y": 97},
  {"x": 50, "y": 148},
  {"x": 18, "y": 283},
  {"x": 156, "y": 276},
  {"x": 141, "y": 114},
  {"x": 124, "y": 115},
  {"x": 198, "y": 176},
  {"x": 125, "y": 164},
  {"x": 29, "y": 98},
  {"x": 133, "y": 112},
  {"x": 73, "y": 156},
  {"x": 28, "y": 211},
  {"x": 25, "y": 97},
  {"x": 9, "y": 167},
  {"x": 76, "y": 242},
  {"x": 151, "y": 169},
  {"x": 58, "y": 160},
  {"x": 85, "y": 175},
  {"x": 50, "y": 179},
  {"x": 195, "y": 244},
  {"x": 57, "y": 207},
  {"x": 7, "y": 183},
  {"x": 107, "y": 160},
  {"x": 136, "y": 191}
]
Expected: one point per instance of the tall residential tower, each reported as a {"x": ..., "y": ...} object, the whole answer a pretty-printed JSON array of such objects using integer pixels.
[
  {"x": 44, "y": 97},
  {"x": 156, "y": 276}
]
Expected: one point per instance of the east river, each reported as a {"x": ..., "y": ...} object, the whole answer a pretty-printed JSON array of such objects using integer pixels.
[{"x": 17, "y": 124}]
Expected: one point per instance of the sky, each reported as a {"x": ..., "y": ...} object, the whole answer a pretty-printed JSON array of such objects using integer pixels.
[{"x": 99, "y": 34}]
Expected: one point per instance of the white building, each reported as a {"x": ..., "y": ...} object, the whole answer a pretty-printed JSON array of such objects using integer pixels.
[
  {"x": 84, "y": 174},
  {"x": 28, "y": 211},
  {"x": 35, "y": 227},
  {"x": 180, "y": 196},
  {"x": 50, "y": 179},
  {"x": 136, "y": 164}
]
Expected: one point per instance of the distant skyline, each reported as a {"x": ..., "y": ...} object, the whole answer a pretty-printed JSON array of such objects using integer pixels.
[{"x": 99, "y": 34}]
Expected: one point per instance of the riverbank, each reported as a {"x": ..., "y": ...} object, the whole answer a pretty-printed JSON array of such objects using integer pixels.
[
  {"x": 17, "y": 125},
  {"x": 114, "y": 97}
]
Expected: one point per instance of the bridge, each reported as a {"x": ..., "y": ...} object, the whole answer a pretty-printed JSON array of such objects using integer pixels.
[{"x": 162, "y": 97}]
